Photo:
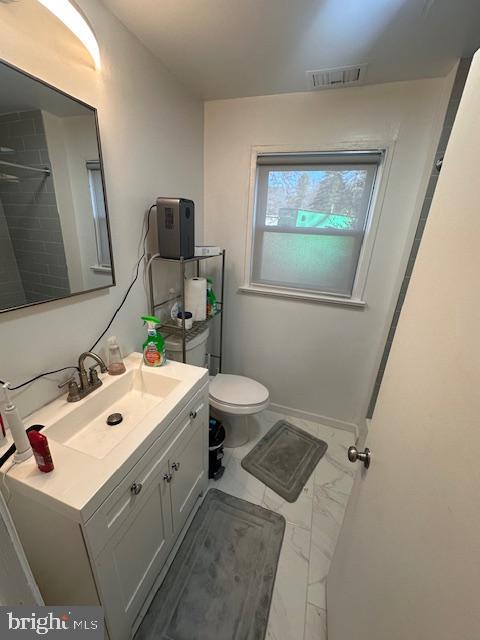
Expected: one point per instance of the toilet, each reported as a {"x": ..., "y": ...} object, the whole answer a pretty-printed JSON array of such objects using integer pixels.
[{"x": 232, "y": 398}]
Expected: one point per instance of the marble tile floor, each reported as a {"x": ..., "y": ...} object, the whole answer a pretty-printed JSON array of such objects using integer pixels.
[{"x": 298, "y": 608}]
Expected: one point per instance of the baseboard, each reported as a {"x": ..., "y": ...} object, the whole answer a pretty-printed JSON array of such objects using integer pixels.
[{"x": 315, "y": 417}]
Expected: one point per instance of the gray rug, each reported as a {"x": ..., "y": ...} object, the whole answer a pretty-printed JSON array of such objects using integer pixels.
[
  {"x": 284, "y": 459},
  {"x": 220, "y": 584}
]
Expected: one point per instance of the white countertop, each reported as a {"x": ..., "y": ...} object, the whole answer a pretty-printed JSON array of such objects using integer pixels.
[{"x": 80, "y": 483}]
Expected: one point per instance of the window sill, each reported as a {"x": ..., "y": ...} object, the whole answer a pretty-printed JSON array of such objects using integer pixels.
[
  {"x": 317, "y": 298},
  {"x": 96, "y": 268}
]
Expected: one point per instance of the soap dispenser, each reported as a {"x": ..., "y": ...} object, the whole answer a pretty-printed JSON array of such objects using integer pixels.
[{"x": 115, "y": 361}]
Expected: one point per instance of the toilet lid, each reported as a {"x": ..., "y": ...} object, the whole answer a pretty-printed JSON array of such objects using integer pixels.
[{"x": 237, "y": 390}]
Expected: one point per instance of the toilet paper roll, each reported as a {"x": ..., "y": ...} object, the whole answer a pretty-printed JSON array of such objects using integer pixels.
[{"x": 196, "y": 297}]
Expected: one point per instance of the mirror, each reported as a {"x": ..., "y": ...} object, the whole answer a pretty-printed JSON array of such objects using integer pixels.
[{"x": 54, "y": 229}]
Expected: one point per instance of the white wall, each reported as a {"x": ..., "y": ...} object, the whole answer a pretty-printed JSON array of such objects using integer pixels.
[
  {"x": 152, "y": 139},
  {"x": 319, "y": 358},
  {"x": 81, "y": 147},
  {"x": 57, "y": 153},
  {"x": 72, "y": 142}
]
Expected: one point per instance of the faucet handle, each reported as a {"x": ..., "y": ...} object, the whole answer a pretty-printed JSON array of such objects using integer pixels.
[
  {"x": 68, "y": 382},
  {"x": 94, "y": 373},
  {"x": 73, "y": 389}
]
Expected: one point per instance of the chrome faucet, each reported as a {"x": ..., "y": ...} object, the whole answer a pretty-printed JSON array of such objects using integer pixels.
[{"x": 87, "y": 383}]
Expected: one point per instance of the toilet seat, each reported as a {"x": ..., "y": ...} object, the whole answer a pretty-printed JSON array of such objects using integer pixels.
[{"x": 237, "y": 395}]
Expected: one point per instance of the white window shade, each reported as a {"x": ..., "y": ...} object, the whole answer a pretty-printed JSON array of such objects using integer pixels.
[{"x": 310, "y": 219}]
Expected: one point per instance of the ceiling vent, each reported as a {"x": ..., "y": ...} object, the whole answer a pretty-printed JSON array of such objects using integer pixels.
[{"x": 337, "y": 77}]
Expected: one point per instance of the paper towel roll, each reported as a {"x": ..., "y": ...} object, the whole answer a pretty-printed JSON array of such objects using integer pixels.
[{"x": 196, "y": 297}]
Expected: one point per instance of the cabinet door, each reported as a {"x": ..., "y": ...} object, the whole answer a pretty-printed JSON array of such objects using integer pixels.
[
  {"x": 188, "y": 465},
  {"x": 131, "y": 561}
]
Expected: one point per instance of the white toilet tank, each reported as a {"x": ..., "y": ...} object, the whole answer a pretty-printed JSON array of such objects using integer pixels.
[{"x": 196, "y": 349}]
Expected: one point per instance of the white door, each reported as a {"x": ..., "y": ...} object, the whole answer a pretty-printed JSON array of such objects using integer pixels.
[
  {"x": 407, "y": 564},
  {"x": 17, "y": 584}
]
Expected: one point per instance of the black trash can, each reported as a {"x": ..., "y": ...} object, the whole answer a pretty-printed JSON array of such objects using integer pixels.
[{"x": 216, "y": 438}]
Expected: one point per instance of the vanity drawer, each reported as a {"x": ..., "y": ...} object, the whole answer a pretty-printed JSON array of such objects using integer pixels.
[{"x": 128, "y": 497}]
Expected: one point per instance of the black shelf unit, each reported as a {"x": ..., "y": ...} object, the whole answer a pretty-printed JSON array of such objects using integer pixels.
[{"x": 200, "y": 325}]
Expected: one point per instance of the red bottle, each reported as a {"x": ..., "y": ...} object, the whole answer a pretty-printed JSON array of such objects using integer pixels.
[{"x": 41, "y": 451}]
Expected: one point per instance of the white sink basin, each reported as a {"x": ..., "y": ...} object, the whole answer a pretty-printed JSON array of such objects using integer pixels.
[{"x": 133, "y": 394}]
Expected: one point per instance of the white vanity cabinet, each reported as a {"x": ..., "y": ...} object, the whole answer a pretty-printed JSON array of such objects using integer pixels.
[
  {"x": 132, "y": 534},
  {"x": 129, "y": 538}
]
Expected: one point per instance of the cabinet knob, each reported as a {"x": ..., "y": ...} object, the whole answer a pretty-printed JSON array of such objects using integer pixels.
[
  {"x": 193, "y": 415},
  {"x": 136, "y": 488},
  {"x": 167, "y": 477},
  {"x": 175, "y": 466}
]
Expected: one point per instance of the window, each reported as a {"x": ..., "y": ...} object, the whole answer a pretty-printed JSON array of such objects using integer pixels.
[
  {"x": 311, "y": 215},
  {"x": 99, "y": 216}
]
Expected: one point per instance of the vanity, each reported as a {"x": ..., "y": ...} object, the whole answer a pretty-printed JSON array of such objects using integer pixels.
[{"x": 103, "y": 527}]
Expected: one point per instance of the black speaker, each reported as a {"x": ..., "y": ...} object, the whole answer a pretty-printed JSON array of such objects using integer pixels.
[{"x": 176, "y": 227}]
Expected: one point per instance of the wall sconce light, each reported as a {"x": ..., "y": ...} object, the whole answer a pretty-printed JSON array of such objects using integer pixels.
[{"x": 73, "y": 20}]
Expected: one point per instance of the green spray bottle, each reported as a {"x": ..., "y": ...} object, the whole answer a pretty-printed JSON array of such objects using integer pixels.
[
  {"x": 211, "y": 299},
  {"x": 154, "y": 354}
]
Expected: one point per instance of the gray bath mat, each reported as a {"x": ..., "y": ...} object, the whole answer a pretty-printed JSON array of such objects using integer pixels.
[
  {"x": 220, "y": 584},
  {"x": 284, "y": 459}
]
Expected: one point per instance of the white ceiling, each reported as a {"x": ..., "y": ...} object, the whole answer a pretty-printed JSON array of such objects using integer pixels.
[{"x": 231, "y": 48}]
